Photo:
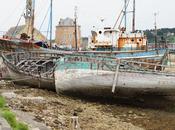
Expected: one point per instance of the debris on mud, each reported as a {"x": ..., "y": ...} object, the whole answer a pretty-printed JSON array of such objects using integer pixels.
[{"x": 56, "y": 111}]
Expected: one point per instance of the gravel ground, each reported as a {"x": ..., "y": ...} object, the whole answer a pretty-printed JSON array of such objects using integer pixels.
[{"x": 143, "y": 112}]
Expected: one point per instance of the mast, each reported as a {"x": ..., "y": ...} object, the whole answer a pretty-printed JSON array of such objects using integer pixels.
[
  {"x": 29, "y": 17},
  {"x": 133, "y": 20},
  {"x": 32, "y": 22},
  {"x": 155, "y": 24},
  {"x": 51, "y": 9},
  {"x": 125, "y": 13},
  {"x": 76, "y": 42}
]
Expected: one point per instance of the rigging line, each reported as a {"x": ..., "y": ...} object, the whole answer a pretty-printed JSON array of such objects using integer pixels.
[
  {"x": 18, "y": 23},
  {"x": 40, "y": 7},
  {"x": 16, "y": 26},
  {"x": 10, "y": 14},
  {"x": 121, "y": 21},
  {"x": 43, "y": 21},
  {"x": 48, "y": 28},
  {"x": 118, "y": 18},
  {"x": 121, "y": 14}
]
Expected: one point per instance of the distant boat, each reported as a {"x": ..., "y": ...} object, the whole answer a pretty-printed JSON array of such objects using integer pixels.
[
  {"x": 23, "y": 37},
  {"x": 14, "y": 44},
  {"x": 120, "y": 39},
  {"x": 109, "y": 39},
  {"x": 126, "y": 44}
]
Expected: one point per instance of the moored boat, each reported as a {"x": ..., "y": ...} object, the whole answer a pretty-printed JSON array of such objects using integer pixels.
[
  {"x": 14, "y": 44},
  {"x": 97, "y": 76},
  {"x": 3, "y": 70},
  {"x": 124, "y": 44},
  {"x": 35, "y": 69},
  {"x": 24, "y": 37}
]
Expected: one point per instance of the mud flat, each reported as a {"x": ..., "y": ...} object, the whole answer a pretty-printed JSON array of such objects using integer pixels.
[{"x": 55, "y": 111}]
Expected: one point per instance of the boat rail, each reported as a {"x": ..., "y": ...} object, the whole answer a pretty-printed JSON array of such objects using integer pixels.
[
  {"x": 96, "y": 62},
  {"x": 38, "y": 65},
  {"x": 111, "y": 63}
]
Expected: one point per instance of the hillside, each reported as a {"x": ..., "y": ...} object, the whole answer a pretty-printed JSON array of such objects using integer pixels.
[{"x": 164, "y": 34}]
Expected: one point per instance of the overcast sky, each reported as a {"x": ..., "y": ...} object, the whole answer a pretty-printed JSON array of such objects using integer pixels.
[{"x": 90, "y": 12}]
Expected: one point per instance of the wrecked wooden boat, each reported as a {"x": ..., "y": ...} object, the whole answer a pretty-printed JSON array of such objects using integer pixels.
[
  {"x": 3, "y": 70},
  {"x": 99, "y": 76},
  {"x": 35, "y": 69},
  {"x": 87, "y": 74}
]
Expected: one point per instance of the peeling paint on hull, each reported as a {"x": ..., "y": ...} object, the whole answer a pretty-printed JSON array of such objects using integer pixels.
[
  {"x": 31, "y": 81},
  {"x": 4, "y": 73},
  {"x": 99, "y": 82}
]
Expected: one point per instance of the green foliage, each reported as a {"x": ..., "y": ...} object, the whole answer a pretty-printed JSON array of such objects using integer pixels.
[
  {"x": 2, "y": 102},
  {"x": 167, "y": 34},
  {"x": 10, "y": 117},
  {"x": 21, "y": 126},
  {"x": 171, "y": 39}
]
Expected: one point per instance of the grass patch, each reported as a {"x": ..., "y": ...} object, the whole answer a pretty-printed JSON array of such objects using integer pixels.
[
  {"x": 10, "y": 117},
  {"x": 21, "y": 126},
  {"x": 2, "y": 102}
]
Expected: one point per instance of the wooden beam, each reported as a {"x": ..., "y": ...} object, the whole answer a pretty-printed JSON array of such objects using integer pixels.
[{"x": 116, "y": 77}]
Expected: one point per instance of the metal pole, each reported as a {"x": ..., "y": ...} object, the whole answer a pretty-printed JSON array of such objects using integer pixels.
[
  {"x": 33, "y": 17},
  {"x": 125, "y": 12},
  {"x": 133, "y": 21},
  {"x": 156, "y": 47},
  {"x": 51, "y": 7},
  {"x": 76, "y": 42}
]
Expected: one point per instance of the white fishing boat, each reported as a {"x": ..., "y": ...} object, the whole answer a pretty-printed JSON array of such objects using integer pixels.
[{"x": 125, "y": 44}]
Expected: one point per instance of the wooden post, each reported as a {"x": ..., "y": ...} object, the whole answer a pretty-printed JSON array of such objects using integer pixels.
[
  {"x": 74, "y": 122},
  {"x": 116, "y": 77},
  {"x": 155, "y": 68}
]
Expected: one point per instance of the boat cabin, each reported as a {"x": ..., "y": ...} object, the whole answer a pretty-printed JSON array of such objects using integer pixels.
[
  {"x": 111, "y": 39},
  {"x": 103, "y": 39}
]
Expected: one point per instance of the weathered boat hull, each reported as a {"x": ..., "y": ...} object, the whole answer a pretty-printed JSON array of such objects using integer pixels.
[
  {"x": 4, "y": 73},
  {"x": 28, "y": 78},
  {"x": 99, "y": 83},
  {"x": 22, "y": 79},
  {"x": 19, "y": 44}
]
